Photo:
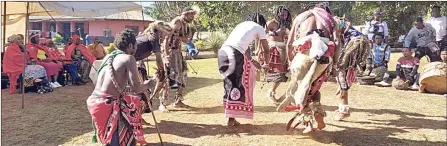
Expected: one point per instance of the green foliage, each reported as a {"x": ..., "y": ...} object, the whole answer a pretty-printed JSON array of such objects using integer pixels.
[
  {"x": 201, "y": 45},
  {"x": 110, "y": 48},
  {"x": 215, "y": 41},
  {"x": 225, "y": 15},
  {"x": 58, "y": 40}
]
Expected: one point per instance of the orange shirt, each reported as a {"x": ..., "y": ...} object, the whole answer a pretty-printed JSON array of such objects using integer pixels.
[{"x": 97, "y": 50}]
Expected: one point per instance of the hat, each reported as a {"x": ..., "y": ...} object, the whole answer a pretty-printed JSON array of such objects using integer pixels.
[{"x": 378, "y": 11}]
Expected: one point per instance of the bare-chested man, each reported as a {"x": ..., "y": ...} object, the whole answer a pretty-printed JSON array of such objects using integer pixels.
[
  {"x": 277, "y": 30},
  {"x": 316, "y": 21},
  {"x": 115, "y": 113},
  {"x": 174, "y": 61}
]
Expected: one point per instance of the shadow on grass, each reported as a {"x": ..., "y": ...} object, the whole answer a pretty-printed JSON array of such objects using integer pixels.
[
  {"x": 194, "y": 130},
  {"x": 165, "y": 144},
  {"x": 47, "y": 119},
  {"x": 220, "y": 109},
  {"x": 407, "y": 119},
  {"x": 193, "y": 83},
  {"x": 360, "y": 136}
]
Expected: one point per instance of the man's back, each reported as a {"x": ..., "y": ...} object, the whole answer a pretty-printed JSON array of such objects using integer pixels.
[
  {"x": 121, "y": 64},
  {"x": 146, "y": 47},
  {"x": 243, "y": 34}
]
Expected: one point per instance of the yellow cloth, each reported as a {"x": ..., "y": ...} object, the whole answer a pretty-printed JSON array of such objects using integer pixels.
[{"x": 41, "y": 54}]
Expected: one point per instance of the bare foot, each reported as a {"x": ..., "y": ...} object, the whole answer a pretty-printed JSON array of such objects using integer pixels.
[
  {"x": 163, "y": 108},
  {"x": 180, "y": 104},
  {"x": 320, "y": 121},
  {"x": 342, "y": 115},
  {"x": 271, "y": 96},
  {"x": 233, "y": 122},
  {"x": 309, "y": 128}
]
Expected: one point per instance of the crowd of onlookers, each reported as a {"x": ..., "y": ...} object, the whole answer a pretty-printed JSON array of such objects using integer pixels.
[
  {"x": 42, "y": 67},
  {"x": 424, "y": 39}
]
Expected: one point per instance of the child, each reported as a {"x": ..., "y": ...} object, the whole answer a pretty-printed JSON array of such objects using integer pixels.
[
  {"x": 406, "y": 70},
  {"x": 444, "y": 56}
]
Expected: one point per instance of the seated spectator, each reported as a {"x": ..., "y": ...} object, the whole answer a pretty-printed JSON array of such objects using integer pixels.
[
  {"x": 14, "y": 63},
  {"x": 36, "y": 51},
  {"x": 67, "y": 63},
  {"x": 69, "y": 42},
  {"x": 377, "y": 62},
  {"x": 97, "y": 49},
  {"x": 406, "y": 70},
  {"x": 37, "y": 76},
  {"x": 81, "y": 57}
]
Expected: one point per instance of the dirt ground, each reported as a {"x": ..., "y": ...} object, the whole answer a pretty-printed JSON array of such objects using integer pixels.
[{"x": 380, "y": 116}]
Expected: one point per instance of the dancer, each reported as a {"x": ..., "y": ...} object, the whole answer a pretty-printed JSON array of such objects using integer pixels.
[
  {"x": 148, "y": 42},
  {"x": 236, "y": 67},
  {"x": 116, "y": 115},
  {"x": 354, "y": 53},
  {"x": 278, "y": 67},
  {"x": 314, "y": 40},
  {"x": 174, "y": 61}
]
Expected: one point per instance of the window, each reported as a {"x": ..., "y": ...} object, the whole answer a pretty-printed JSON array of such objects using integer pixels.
[
  {"x": 107, "y": 32},
  {"x": 134, "y": 28}
]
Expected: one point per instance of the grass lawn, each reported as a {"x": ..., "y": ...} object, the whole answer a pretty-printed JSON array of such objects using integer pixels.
[{"x": 380, "y": 116}]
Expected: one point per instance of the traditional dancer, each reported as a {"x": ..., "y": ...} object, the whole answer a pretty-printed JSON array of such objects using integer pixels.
[
  {"x": 237, "y": 67},
  {"x": 354, "y": 53},
  {"x": 278, "y": 67},
  {"x": 148, "y": 42},
  {"x": 314, "y": 39},
  {"x": 174, "y": 61},
  {"x": 116, "y": 114}
]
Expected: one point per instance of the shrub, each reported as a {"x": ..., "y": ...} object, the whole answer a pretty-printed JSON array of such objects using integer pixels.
[
  {"x": 215, "y": 41},
  {"x": 201, "y": 45},
  {"x": 58, "y": 39}
]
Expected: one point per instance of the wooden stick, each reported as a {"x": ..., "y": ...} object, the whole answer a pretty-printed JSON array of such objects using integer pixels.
[
  {"x": 152, "y": 112},
  {"x": 24, "y": 56},
  {"x": 4, "y": 26}
]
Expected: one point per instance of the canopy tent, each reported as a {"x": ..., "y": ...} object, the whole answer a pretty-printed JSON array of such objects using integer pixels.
[{"x": 14, "y": 14}]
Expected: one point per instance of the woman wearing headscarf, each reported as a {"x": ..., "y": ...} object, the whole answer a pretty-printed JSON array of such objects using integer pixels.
[
  {"x": 36, "y": 51},
  {"x": 13, "y": 61},
  {"x": 277, "y": 30},
  {"x": 81, "y": 56},
  {"x": 67, "y": 63}
]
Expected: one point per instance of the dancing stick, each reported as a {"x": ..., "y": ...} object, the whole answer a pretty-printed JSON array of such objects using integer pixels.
[{"x": 152, "y": 112}]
